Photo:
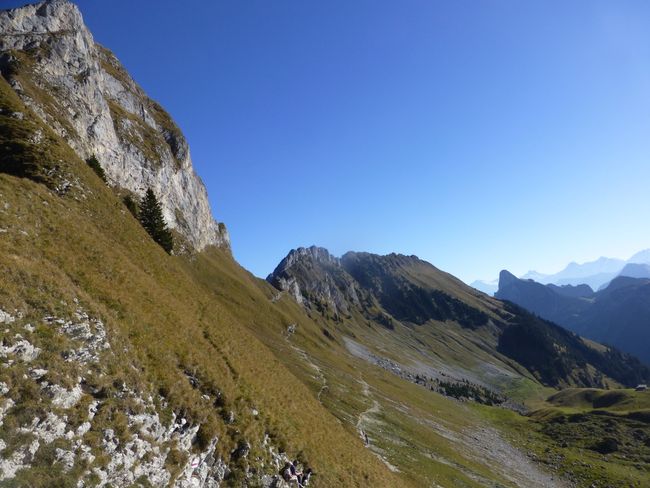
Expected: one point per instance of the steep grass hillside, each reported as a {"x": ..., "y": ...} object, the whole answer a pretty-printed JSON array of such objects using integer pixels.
[{"x": 70, "y": 248}]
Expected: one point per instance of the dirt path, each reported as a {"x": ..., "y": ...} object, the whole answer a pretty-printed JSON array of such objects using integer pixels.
[
  {"x": 319, "y": 372},
  {"x": 510, "y": 462},
  {"x": 365, "y": 420}
]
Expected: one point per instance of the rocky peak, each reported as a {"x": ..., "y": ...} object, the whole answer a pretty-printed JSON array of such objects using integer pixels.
[
  {"x": 379, "y": 287},
  {"x": 40, "y": 18},
  {"x": 506, "y": 278},
  {"x": 317, "y": 280},
  {"x": 314, "y": 254},
  {"x": 82, "y": 91}
]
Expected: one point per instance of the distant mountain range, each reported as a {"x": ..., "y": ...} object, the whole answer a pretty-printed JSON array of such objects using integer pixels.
[
  {"x": 618, "y": 314},
  {"x": 597, "y": 274}
]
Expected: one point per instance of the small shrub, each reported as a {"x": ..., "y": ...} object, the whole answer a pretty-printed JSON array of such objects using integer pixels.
[
  {"x": 96, "y": 167},
  {"x": 606, "y": 446},
  {"x": 207, "y": 431}
]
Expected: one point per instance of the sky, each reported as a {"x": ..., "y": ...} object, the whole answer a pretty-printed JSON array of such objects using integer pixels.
[{"x": 478, "y": 135}]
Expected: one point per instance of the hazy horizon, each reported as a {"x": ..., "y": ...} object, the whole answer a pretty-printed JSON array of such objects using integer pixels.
[{"x": 476, "y": 135}]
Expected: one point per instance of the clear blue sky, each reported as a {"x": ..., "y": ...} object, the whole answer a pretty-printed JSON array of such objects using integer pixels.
[{"x": 478, "y": 135}]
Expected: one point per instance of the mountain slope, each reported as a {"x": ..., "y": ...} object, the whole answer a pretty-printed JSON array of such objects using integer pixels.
[
  {"x": 411, "y": 297},
  {"x": 510, "y": 354},
  {"x": 82, "y": 92},
  {"x": 175, "y": 352},
  {"x": 120, "y": 367},
  {"x": 618, "y": 315}
]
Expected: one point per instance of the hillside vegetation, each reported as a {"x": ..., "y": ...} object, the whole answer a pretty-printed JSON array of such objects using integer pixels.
[{"x": 72, "y": 244}]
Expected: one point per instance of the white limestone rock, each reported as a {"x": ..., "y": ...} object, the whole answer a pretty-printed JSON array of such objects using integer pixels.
[
  {"x": 22, "y": 350},
  {"x": 64, "y": 398},
  {"x": 103, "y": 112},
  {"x": 6, "y": 318}
]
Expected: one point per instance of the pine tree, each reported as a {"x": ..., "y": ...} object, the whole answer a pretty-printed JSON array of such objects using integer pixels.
[{"x": 152, "y": 220}]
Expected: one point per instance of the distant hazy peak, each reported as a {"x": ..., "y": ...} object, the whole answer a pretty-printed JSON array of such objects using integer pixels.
[
  {"x": 534, "y": 275},
  {"x": 642, "y": 257},
  {"x": 506, "y": 278}
]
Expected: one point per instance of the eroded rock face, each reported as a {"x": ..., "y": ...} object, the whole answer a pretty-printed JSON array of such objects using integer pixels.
[
  {"x": 315, "y": 278},
  {"x": 81, "y": 90}
]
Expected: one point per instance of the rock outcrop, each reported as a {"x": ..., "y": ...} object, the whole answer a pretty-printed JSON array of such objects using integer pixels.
[
  {"x": 81, "y": 90},
  {"x": 145, "y": 446},
  {"x": 379, "y": 287},
  {"x": 315, "y": 278}
]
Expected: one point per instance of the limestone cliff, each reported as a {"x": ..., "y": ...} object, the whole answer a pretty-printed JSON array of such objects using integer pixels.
[{"x": 81, "y": 90}]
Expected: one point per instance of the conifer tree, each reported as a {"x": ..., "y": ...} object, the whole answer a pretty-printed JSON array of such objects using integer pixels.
[
  {"x": 96, "y": 167},
  {"x": 152, "y": 220}
]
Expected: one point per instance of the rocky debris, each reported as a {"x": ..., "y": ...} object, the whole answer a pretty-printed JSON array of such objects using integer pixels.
[
  {"x": 456, "y": 387},
  {"x": 143, "y": 453},
  {"x": 242, "y": 451},
  {"x": 6, "y": 318},
  {"x": 127, "y": 460},
  {"x": 37, "y": 373},
  {"x": 9, "y": 465},
  {"x": 47, "y": 429},
  {"x": 229, "y": 417},
  {"x": 295, "y": 472},
  {"x": 22, "y": 350},
  {"x": 66, "y": 458},
  {"x": 90, "y": 333},
  {"x": 61, "y": 397},
  {"x": 138, "y": 457},
  {"x": 4, "y": 407},
  {"x": 512, "y": 463},
  {"x": 95, "y": 98}
]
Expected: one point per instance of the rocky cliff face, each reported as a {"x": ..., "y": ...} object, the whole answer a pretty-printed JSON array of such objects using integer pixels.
[
  {"x": 372, "y": 285},
  {"x": 80, "y": 90},
  {"x": 317, "y": 279}
]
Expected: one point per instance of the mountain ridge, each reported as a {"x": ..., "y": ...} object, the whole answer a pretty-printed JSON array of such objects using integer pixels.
[
  {"x": 396, "y": 290},
  {"x": 616, "y": 314},
  {"x": 596, "y": 274}
]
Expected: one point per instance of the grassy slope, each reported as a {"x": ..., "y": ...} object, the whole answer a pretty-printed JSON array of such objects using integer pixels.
[
  {"x": 566, "y": 430},
  {"x": 85, "y": 245},
  {"x": 424, "y": 434}
]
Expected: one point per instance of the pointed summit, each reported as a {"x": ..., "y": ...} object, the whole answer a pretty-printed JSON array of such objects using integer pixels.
[{"x": 506, "y": 278}]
